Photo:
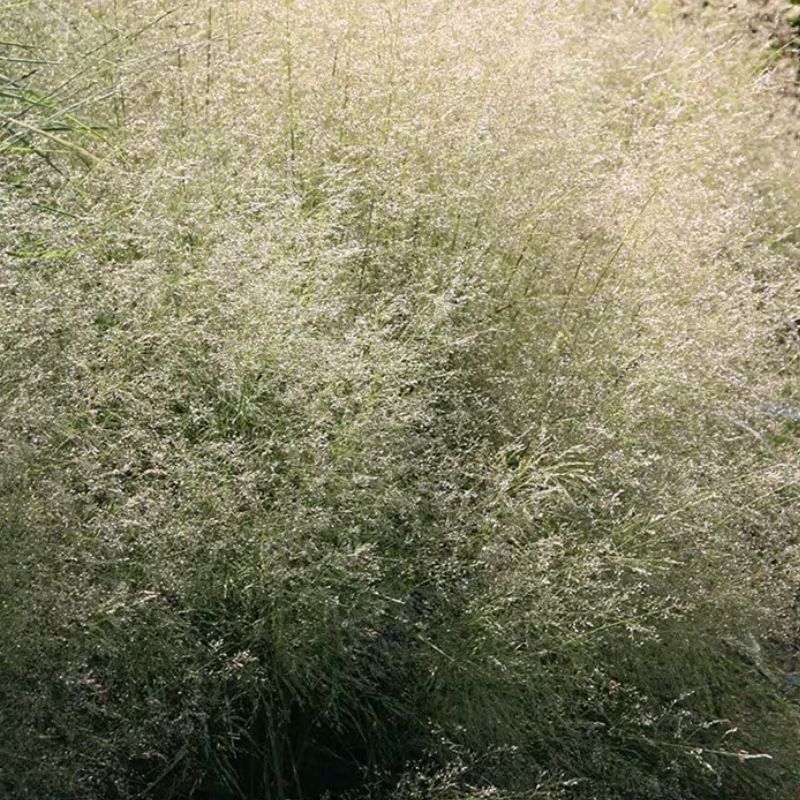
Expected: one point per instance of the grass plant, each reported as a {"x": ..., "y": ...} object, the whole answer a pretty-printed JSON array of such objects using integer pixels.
[{"x": 396, "y": 402}]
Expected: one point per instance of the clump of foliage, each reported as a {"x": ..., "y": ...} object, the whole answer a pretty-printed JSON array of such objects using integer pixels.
[{"x": 398, "y": 401}]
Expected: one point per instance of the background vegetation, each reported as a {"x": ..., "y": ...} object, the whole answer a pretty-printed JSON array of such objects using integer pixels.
[{"x": 398, "y": 400}]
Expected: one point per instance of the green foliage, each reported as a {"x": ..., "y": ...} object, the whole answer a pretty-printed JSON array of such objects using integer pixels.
[{"x": 396, "y": 402}]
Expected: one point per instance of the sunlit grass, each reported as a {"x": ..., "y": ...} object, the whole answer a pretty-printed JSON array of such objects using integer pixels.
[{"x": 394, "y": 403}]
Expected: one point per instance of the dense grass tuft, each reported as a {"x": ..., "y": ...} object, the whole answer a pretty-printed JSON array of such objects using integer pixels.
[{"x": 398, "y": 400}]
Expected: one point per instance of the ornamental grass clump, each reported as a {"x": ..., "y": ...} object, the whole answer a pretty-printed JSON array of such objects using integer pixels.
[{"x": 397, "y": 402}]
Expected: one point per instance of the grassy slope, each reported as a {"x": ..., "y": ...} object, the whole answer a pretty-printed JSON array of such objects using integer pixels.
[{"x": 390, "y": 390}]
